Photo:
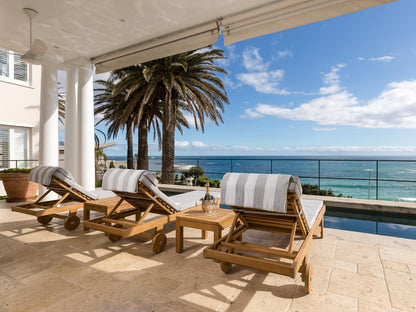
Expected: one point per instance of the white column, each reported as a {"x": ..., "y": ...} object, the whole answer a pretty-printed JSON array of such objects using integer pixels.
[
  {"x": 86, "y": 157},
  {"x": 48, "y": 127},
  {"x": 71, "y": 133}
]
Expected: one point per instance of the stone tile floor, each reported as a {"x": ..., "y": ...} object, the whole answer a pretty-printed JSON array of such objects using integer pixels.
[{"x": 47, "y": 268}]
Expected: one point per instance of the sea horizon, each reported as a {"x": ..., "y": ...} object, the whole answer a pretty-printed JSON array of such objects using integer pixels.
[{"x": 367, "y": 157}]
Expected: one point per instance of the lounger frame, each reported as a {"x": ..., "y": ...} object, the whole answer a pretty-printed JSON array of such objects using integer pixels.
[
  {"x": 46, "y": 210},
  {"x": 117, "y": 226},
  {"x": 285, "y": 261}
]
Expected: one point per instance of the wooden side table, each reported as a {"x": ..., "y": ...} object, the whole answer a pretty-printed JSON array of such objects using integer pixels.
[
  {"x": 104, "y": 205},
  {"x": 198, "y": 219}
]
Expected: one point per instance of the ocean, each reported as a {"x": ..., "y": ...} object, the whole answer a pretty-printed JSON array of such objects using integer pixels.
[{"x": 384, "y": 178}]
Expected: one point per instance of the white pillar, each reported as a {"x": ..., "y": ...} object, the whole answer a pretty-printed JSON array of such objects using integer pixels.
[
  {"x": 86, "y": 157},
  {"x": 71, "y": 133},
  {"x": 48, "y": 132}
]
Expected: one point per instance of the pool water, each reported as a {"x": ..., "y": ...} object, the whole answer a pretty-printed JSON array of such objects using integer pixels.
[{"x": 398, "y": 225}]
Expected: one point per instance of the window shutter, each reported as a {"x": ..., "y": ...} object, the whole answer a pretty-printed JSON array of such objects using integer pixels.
[
  {"x": 4, "y": 147},
  {"x": 19, "y": 148},
  {"x": 20, "y": 69},
  {"x": 4, "y": 63}
]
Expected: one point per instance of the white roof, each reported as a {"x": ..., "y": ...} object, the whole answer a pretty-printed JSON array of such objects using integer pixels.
[{"x": 120, "y": 33}]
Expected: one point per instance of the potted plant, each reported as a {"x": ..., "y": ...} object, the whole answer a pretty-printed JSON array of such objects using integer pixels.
[{"x": 17, "y": 185}]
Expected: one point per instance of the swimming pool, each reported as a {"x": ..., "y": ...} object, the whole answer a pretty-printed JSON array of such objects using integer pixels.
[
  {"x": 365, "y": 221},
  {"x": 398, "y": 225}
]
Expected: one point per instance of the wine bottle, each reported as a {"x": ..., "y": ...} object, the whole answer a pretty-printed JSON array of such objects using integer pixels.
[{"x": 208, "y": 196}]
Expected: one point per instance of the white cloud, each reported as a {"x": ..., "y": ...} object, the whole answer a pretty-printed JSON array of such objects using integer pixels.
[
  {"x": 332, "y": 80},
  {"x": 284, "y": 53},
  {"x": 258, "y": 76},
  {"x": 181, "y": 144},
  {"x": 394, "y": 107},
  {"x": 198, "y": 144},
  {"x": 251, "y": 114},
  {"x": 323, "y": 129},
  {"x": 190, "y": 119},
  {"x": 252, "y": 60},
  {"x": 386, "y": 59},
  {"x": 264, "y": 82},
  {"x": 230, "y": 83},
  {"x": 230, "y": 54}
]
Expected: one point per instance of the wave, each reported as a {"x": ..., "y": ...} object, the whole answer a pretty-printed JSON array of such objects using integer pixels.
[{"x": 408, "y": 199}]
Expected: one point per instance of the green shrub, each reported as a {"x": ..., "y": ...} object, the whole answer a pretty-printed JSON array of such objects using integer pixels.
[
  {"x": 195, "y": 172},
  {"x": 16, "y": 170},
  {"x": 201, "y": 181},
  {"x": 122, "y": 167},
  {"x": 112, "y": 164},
  {"x": 313, "y": 189}
]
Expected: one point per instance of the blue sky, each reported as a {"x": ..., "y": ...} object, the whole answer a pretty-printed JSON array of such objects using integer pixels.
[{"x": 345, "y": 86}]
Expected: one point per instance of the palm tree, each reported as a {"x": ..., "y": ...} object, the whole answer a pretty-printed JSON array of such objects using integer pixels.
[
  {"x": 146, "y": 107},
  {"x": 111, "y": 108},
  {"x": 186, "y": 80}
]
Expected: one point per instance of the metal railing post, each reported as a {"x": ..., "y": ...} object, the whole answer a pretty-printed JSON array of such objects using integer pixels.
[
  {"x": 376, "y": 179},
  {"x": 197, "y": 162},
  {"x": 271, "y": 165},
  {"x": 319, "y": 173},
  {"x": 231, "y": 162}
]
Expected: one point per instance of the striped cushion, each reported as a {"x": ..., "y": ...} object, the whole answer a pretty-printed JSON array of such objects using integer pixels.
[
  {"x": 126, "y": 180},
  {"x": 43, "y": 175},
  {"x": 261, "y": 191}
]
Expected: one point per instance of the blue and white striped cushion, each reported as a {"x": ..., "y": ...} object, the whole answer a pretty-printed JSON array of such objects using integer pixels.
[
  {"x": 261, "y": 191},
  {"x": 126, "y": 180}
]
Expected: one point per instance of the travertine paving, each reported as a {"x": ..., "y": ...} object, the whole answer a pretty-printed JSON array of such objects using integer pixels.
[{"x": 47, "y": 268}]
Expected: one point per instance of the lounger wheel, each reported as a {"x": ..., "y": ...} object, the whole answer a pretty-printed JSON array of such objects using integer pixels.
[
  {"x": 308, "y": 278},
  {"x": 159, "y": 242},
  {"x": 44, "y": 219},
  {"x": 226, "y": 266},
  {"x": 71, "y": 223},
  {"x": 113, "y": 237}
]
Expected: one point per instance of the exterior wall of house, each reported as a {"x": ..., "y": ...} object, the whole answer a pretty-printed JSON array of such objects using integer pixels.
[{"x": 19, "y": 108}]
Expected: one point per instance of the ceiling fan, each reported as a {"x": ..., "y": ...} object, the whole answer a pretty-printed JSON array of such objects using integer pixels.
[{"x": 37, "y": 47}]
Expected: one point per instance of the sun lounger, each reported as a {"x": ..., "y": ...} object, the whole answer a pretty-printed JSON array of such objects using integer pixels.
[
  {"x": 72, "y": 196},
  {"x": 139, "y": 189},
  {"x": 271, "y": 203}
]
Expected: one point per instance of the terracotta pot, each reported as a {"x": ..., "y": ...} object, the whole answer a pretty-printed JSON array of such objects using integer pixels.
[{"x": 18, "y": 187}]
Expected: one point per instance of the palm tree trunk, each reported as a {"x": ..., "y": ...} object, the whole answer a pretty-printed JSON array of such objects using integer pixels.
[
  {"x": 129, "y": 137},
  {"x": 168, "y": 141},
  {"x": 142, "y": 150}
]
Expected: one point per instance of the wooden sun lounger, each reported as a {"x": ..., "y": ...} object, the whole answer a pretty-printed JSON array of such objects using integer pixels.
[
  {"x": 289, "y": 261},
  {"x": 47, "y": 210},
  {"x": 72, "y": 197},
  {"x": 145, "y": 201}
]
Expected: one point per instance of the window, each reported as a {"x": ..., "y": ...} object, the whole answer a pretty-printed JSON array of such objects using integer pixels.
[
  {"x": 14, "y": 147},
  {"x": 12, "y": 69}
]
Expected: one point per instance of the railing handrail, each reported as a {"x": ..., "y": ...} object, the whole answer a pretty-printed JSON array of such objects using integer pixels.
[{"x": 319, "y": 176}]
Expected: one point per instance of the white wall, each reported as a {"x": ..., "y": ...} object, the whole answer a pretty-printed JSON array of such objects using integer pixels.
[{"x": 19, "y": 106}]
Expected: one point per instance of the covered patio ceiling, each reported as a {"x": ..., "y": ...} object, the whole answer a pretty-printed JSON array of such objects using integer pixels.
[{"x": 115, "y": 34}]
